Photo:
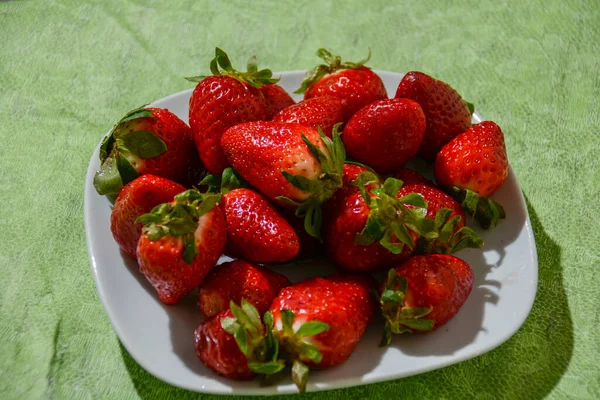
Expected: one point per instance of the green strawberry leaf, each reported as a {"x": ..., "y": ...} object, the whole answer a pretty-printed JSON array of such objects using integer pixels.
[
  {"x": 311, "y": 328},
  {"x": 191, "y": 250},
  {"x": 126, "y": 170},
  {"x": 107, "y": 179},
  {"x": 106, "y": 146},
  {"x": 143, "y": 144},
  {"x": 386, "y": 339},
  {"x": 267, "y": 368},
  {"x": 471, "y": 107}
]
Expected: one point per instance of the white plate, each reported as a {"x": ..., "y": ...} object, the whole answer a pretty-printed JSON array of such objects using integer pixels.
[{"x": 160, "y": 338}]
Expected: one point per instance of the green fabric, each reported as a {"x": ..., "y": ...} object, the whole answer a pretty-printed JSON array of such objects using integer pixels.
[{"x": 69, "y": 70}]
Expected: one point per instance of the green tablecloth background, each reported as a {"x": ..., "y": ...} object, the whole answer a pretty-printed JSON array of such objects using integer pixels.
[{"x": 68, "y": 70}]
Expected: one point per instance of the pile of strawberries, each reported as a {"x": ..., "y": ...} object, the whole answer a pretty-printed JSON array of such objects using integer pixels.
[{"x": 268, "y": 180}]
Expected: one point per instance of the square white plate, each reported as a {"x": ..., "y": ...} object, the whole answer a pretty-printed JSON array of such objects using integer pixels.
[{"x": 160, "y": 337}]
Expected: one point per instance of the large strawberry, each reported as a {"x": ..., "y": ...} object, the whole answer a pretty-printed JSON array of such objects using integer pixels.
[
  {"x": 369, "y": 228},
  {"x": 424, "y": 293},
  {"x": 385, "y": 134},
  {"x": 276, "y": 99},
  {"x": 319, "y": 112},
  {"x": 146, "y": 141},
  {"x": 220, "y": 101},
  {"x": 408, "y": 176},
  {"x": 446, "y": 112},
  {"x": 234, "y": 341},
  {"x": 472, "y": 167},
  {"x": 353, "y": 83},
  {"x": 181, "y": 241},
  {"x": 318, "y": 322},
  {"x": 136, "y": 198},
  {"x": 256, "y": 231},
  {"x": 291, "y": 164},
  {"x": 237, "y": 280},
  {"x": 452, "y": 234}
]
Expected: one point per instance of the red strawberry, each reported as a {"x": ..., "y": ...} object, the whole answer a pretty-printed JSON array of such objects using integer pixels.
[
  {"x": 147, "y": 141},
  {"x": 433, "y": 286},
  {"x": 408, "y": 176},
  {"x": 233, "y": 340},
  {"x": 221, "y": 101},
  {"x": 289, "y": 163},
  {"x": 136, "y": 198},
  {"x": 449, "y": 219},
  {"x": 256, "y": 230},
  {"x": 318, "y": 322},
  {"x": 353, "y": 83},
  {"x": 237, "y": 280},
  {"x": 276, "y": 99},
  {"x": 446, "y": 112},
  {"x": 181, "y": 241},
  {"x": 473, "y": 166},
  {"x": 385, "y": 134},
  {"x": 319, "y": 112},
  {"x": 368, "y": 229}
]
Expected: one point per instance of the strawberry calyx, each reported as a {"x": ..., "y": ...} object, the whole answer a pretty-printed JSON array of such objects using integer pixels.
[
  {"x": 322, "y": 187},
  {"x": 295, "y": 345},
  {"x": 331, "y": 65},
  {"x": 398, "y": 317},
  {"x": 253, "y": 76},
  {"x": 225, "y": 183},
  {"x": 449, "y": 240},
  {"x": 390, "y": 216},
  {"x": 179, "y": 219},
  {"x": 255, "y": 341},
  {"x": 123, "y": 147},
  {"x": 486, "y": 211}
]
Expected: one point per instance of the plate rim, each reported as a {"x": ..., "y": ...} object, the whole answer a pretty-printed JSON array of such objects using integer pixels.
[{"x": 339, "y": 383}]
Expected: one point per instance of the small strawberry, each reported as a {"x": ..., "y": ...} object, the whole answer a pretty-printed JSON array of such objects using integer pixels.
[
  {"x": 256, "y": 231},
  {"x": 369, "y": 228},
  {"x": 276, "y": 99},
  {"x": 424, "y": 293},
  {"x": 233, "y": 341},
  {"x": 146, "y": 141},
  {"x": 220, "y": 101},
  {"x": 318, "y": 322},
  {"x": 353, "y": 83},
  {"x": 136, "y": 198},
  {"x": 239, "y": 279},
  {"x": 289, "y": 163},
  {"x": 181, "y": 241},
  {"x": 472, "y": 166},
  {"x": 319, "y": 112},
  {"x": 449, "y": 219},
  {"x": 446, "y": 112},
  {"x": 385, "y": 134}
]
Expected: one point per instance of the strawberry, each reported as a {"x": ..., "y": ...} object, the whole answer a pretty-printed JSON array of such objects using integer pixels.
[
  {"x": 472, "y": 166},
  {"x": 319, "y": 112},
  {"x": 276, "y": 99},
  {"x": 136, "y": 198},
  {"x": 146, "y": 141},
  {"x": 318, "y": 322},
  {"x": 446, "y": 112},
  {"x": 239, "y": 279},
  {"x": 449, "y": 219},
  {"x": 220, "y": 101},
  {"x": 234, "y": 341},
  {"x": 433, "y": 286},
  {"x": 256, "y": 230},
  {"x": 353, "y": 83},
  {"x": 385, "y": 134},
  {"x": 368, "y": 228},
  {"x": 291, "y": 164},
  {"x": 181, "y": 241},
  {"x": 408, "y": 176},
  {"x": 310, "y": 246}
]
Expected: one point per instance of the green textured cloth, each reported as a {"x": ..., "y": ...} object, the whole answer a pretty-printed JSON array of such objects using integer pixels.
[{"x": 69, "y": 70}]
